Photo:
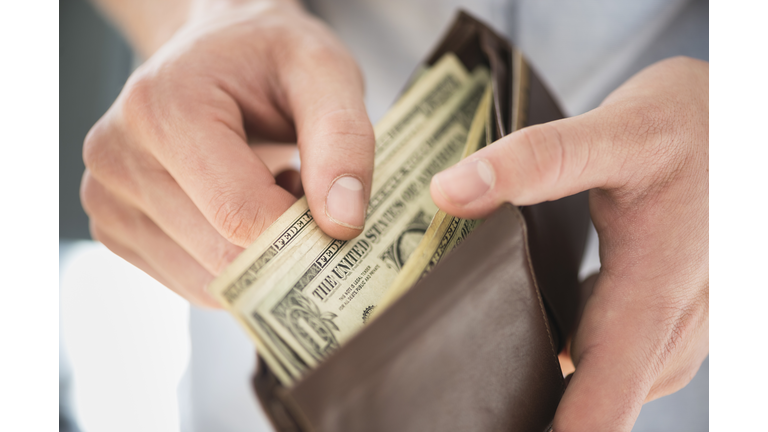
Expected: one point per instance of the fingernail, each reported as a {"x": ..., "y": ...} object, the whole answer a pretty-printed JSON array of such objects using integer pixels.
[
  {"x": 465, "y": 182},
  {"x": 345, "y": 203}
]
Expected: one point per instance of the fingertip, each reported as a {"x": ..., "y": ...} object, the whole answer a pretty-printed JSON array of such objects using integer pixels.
[
  {"x": 466, "y": 182},
  {"x": 337, "y": 231},
  {"x": 340, "y": 209},
  {"x": 438, "y": 196},
  {"x": 345, "y": 207},
  {"x": 465, "y": 190}
]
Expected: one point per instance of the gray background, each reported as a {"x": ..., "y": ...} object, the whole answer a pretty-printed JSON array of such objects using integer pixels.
[{"x": 95, "y": 62}]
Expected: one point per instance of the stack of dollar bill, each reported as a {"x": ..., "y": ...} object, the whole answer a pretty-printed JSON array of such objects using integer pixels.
[{"x": 299, "y": 293}]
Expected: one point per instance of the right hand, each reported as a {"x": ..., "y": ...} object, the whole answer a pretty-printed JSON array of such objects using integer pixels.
[
  {"x": 171, "y": 184},
  {"x": 644, "y": 157}
]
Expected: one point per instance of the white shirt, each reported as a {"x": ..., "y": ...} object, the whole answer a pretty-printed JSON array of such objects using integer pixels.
[{"x": 580, "y": 48}]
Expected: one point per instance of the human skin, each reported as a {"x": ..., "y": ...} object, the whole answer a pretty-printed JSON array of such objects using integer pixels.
[
  {"x": 644, "y": 157},
  {"x": 172, "y": 186}
]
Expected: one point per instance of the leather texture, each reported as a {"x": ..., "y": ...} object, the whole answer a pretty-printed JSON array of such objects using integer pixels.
[
  {"x": 473, "y": 345},
  {"x": 558, "y": 229},
  {"x": 468, "y": 348}
]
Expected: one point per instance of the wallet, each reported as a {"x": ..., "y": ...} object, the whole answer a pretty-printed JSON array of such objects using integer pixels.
[{"x": 473, "y": 345}]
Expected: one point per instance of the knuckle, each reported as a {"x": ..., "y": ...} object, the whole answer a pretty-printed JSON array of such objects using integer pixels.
[
  {"x": 236, "y": 220},
  {"x": 96, "y": 151},
  {"x": 321, "y": 48},
  {"x": 109, "y": 157},
  {"x": 540, "y": 154},
  {"x": 648, "y": 140},
  {"x": 104, "y": 209},
  {"x": 108, "y": 161},
  {"x": 644, "y": 121},
  {"x": 319, "y": 51},
  {"x": 322, "y": 52},
  {"x": 148, "y": 101},
  {"x": 137, "y": 102},
  {"x": 350, "y": 123},
  {"x": 90, "y": 195}
]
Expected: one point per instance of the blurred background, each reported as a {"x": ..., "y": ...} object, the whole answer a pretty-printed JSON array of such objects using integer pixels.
[
  {"x": 94, "y": 62},
  {"x": 126, "y": 358}
]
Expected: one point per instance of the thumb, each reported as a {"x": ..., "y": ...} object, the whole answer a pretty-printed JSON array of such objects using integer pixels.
[
  {"x": 335, "y": 138},
  {"x": 535, "y": 164}
]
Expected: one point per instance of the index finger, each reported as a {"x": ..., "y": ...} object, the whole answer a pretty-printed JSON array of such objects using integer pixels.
[{"x": 202, "y": 144}]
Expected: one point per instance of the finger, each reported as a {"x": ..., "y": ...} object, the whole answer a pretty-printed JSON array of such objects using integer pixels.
[
  {"x": 536, "y": 164},
  {"x": 336, "y": 141},
  {"x": 201, "y": 142},
  {"x": 628, "y": 344},
  {"x": 132, "y": 235},
  {"x": 170, "y": 208}
]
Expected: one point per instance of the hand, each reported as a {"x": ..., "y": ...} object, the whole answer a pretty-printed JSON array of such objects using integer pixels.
[
  {"x": 171, "y": 184},
  {"x": 643, "y": 154}
]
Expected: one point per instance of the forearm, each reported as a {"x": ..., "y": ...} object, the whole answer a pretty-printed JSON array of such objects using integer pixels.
[{"x": 148, "y": 24}]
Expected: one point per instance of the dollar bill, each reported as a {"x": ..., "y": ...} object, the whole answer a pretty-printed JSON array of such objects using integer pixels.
[
  {"x": 296, "y": 228},
  {"x": 432, "y": 88},
  {"x": 445, "y": 232},
  {"x": 415, "y": 108},
  {"x": 325, "y": 296},
  {"x": 235, "y": 282}
]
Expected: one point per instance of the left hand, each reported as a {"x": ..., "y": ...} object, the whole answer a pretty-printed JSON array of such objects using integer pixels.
[{"x": 644, "y": 156}]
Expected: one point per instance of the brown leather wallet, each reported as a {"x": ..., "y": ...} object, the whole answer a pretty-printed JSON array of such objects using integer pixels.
[{"x": 473, "y": 345}]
